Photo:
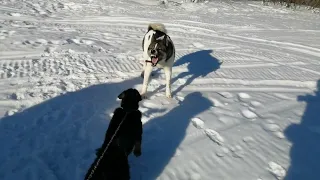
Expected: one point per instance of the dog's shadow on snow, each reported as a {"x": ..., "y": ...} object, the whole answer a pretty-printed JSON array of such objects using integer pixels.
[
  {"x": 57, "y": 139},
  {"x": 199, "y": 64},
  {"x": 305, "y": 139},
  {"x": 164, "y": 134}
]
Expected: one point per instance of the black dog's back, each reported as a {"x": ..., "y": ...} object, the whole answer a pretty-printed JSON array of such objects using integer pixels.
[
  {"x": 114, "y": 164},
  {"x": 130, "y": 131}
]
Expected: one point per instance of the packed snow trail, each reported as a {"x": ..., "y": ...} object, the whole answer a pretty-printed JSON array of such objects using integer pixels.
[{"x": 245, "y": 84}]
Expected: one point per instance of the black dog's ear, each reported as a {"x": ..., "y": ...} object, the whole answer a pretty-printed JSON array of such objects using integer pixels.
[
  {"x": 139, "y": 97},
  {"x": 121, "y": 96}
]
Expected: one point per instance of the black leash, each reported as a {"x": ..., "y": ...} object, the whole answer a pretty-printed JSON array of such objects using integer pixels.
[{"x": 105, "y": 150}]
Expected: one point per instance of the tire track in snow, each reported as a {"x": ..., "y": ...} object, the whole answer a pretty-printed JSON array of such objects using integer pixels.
[{"x": 230, "y": 70}]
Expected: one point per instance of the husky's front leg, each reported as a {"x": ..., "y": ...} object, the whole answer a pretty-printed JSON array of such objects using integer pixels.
[
  {"x": 143, "y": 68},
  {"x": 145, "y": 57},
  {"x": 168, "y": 72},
  {"x": 146, "y": 77}
]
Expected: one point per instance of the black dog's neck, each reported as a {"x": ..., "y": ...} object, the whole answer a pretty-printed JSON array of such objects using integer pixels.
[{"x": 128, "y": 110}]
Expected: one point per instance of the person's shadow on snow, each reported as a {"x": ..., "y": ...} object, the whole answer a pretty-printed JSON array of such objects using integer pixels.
[
  {"x": 164, "y": 134},
  {"x": 199, "y": 64},
  {"x": 305, "y": 138},
  {"x": 57, "y": 138}
]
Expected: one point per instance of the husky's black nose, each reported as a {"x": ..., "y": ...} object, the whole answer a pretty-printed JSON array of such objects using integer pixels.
[{"x": 153, "y": 51}]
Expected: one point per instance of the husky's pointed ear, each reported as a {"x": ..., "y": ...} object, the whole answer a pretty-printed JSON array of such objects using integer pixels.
[
  {"x": 161, "y": 38},
  {"x": 166, "y": 40},
  {"x": 153, "y": 38},
  {"x": 121, "y": 96}
]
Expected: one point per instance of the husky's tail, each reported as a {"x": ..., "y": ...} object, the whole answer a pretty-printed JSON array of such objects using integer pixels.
[{"x": 157, "y": 27}]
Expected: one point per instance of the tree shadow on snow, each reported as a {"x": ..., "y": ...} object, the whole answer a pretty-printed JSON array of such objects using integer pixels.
[
  {"x": 56, "y": 140},
  {"x": 200, "y": 64},
  {"x": 305, "y": 138},
  {"x": 163, "y": 135}
]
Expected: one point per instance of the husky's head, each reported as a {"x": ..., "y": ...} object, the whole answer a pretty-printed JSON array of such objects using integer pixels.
[{"x": 157, "y": 50}]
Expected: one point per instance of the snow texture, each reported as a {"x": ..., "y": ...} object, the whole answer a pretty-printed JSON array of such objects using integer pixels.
[{"x": 245, "y": 85}]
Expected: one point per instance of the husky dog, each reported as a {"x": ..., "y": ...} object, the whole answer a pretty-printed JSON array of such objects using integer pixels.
[{"x": 158, "y": 51}]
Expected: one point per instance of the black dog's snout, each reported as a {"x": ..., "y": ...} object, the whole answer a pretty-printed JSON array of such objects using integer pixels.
[{"x": 153, "y": 51}]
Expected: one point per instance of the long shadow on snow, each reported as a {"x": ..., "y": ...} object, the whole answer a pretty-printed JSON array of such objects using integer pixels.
[
  {"x": 305, "y": 138},
  {"x": 163, "y": 135},
  {"x": 56, "y": 140},
  {"x": 200, "y": 64}
]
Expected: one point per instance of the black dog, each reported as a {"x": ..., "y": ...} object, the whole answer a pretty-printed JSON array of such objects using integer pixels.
[{"x": 114, "y": 165}]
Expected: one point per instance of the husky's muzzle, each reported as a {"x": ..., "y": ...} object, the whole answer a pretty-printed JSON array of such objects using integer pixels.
[{"x": 154, "y": 58}]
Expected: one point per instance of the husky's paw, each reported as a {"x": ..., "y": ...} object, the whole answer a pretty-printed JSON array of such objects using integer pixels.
[{"x": 169, "y": 95}]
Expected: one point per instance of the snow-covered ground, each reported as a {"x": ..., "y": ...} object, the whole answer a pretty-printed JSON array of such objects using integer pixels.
[{"x": 255, "y": 116}]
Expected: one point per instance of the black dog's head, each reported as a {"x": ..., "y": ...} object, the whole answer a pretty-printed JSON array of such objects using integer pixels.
[{"x": 130, "y": 99}]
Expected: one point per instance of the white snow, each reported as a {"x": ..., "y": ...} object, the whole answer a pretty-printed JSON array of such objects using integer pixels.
[
  {"x": 248, "y": 114},
  {"x": 245, "y": 88},
  {"x": 198, "y": 123},
  {"x": 244, "y": 96},
  {"x": 255, "y": 103},
  {"x": 15, "y": 14},
  {"x": 214, "y": 136},
  {"x": 278, "y": 171},
  {"x": 226, "y": 94}
]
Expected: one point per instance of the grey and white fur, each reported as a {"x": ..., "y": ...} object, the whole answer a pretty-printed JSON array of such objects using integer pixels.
[{"x": 158, "y": 51}]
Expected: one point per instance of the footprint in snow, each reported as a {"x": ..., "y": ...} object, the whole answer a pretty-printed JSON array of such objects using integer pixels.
[
  {"x": 75, "y": 41},
  {"x": 15, "y": 14},
  {"x": 55, "y": 42},
  {"x": 41, "y": 41},
  {"x": 249, "y": 141},
  {"x": 214, "y": 136},
  {"x": 12, "y": 112},
  {"x": 278, "y": 171},
  {"x": 244, "y": 104},
  {"x": 237, "y": 151},
  {"x": 28, "y": 42},
  {"x": 198, "y": 123},
  {"x": 198, "y": 45},
  {"x": 255, "y": 104},
  {"x": 143, "y": 109},
  {"x": 274, "y": 128},
  {"x": 144, "y": 119},
  {"x": 177, "y": 152},
  {"x": 86, "y": 42},
  {"x": 248, "y": 114},
  {"x": 149, "y": 104},
  {"x": 17, "y": 96},
  {"x": 222, "y": 152},
  {"x": 298, "y": 112},
  {"x": 179, "y": 98},
  {"x": 243, "y": 96},
  {"x": 271, "y": 126},
  {"x": 216, "y": 102},
  {"x": 226, "y": 95}
]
